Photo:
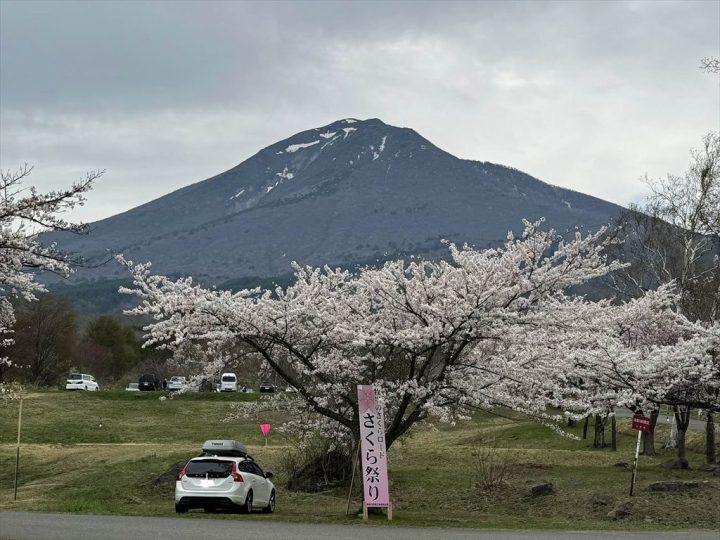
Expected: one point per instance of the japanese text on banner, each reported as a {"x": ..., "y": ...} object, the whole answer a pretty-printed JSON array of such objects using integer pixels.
[{"x": 372, "y": 448}]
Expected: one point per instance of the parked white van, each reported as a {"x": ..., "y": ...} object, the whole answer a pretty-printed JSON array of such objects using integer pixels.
[
  {"x": 81, "y": 381},
  {"x": 228, "y": 382}
]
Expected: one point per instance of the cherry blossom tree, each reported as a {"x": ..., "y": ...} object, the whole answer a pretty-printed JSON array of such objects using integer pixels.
[
  {"x": 432, "y": 337},
  {"x": 24, "y": 213}
]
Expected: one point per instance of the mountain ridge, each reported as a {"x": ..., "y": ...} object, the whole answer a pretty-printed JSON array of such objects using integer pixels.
[{"x": 350, "y": 191}]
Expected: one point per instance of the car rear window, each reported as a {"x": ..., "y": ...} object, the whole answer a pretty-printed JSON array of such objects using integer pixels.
[
  {"x": 228, "y": 378},
  {"x": 209, "y": 468},
  {"x": 75, "y": 376}
]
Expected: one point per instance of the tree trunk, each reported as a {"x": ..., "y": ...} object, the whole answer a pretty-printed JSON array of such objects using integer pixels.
[
  {"x": 710, "y": 438},
  {"x": 599, "y": 441},
  {"x": 571, "y": 422},
  {"x": 682, "y": 420},
  {"x": 648, "y": 437},
  {"x": 672, "y": 442},
  {"x": 585, "y": 427},
  {"x": 613, "y": 433}
]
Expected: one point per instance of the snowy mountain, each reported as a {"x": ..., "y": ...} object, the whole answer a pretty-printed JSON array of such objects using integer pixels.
[{"x": 351, "y": 192}]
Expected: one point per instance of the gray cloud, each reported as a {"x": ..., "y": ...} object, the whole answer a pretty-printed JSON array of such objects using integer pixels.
[{"x": 584, "y": 95}]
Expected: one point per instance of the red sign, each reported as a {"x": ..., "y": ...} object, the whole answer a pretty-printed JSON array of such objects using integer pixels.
[{"x": 641, "y": 423}]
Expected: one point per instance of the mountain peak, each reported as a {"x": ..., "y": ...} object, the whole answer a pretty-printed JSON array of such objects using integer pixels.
[{"x": 349, "y": 192}]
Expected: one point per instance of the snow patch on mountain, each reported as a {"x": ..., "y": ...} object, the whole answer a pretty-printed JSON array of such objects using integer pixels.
[
  {"x": 348, "y": 131},
  {"x": 285, "y": 174},
  {"x": 300, "y": 146},
  {"x": 328, "y": 134},
  {"x": 237, "y": 194},
  {"x": 380, "y": 149},
  {"x": 329, "y": 143}
]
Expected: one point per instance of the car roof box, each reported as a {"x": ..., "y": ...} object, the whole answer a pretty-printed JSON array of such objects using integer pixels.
[{"x": 224, "y": 447}]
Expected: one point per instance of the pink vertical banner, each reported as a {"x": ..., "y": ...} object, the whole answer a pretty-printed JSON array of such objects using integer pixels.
[{"x": 372, "y": 449}]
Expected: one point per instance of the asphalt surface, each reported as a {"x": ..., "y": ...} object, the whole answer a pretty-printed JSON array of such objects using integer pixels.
[
  {"x": 696, "y": 424},
  {"x": 32, "y": 526}
]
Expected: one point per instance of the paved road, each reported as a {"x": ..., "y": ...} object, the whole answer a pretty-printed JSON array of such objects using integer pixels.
[
  {"x": 32, "y": 526},
  {"x": 695, "y": 423}
]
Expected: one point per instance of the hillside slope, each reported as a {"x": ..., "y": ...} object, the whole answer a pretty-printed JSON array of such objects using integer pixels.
[{"x": 346, "y": 193}]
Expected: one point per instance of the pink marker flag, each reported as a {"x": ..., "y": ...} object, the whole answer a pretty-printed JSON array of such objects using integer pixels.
[
  {"x": 372, "y": 447},
  {"x": 265, "y": 428}
]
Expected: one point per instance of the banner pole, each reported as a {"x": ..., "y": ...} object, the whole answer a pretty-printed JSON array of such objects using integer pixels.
[
  {"x": 352, "y": 478},
  {"x": 17, "y": 451},
  {"x": 635, "y": 463}
]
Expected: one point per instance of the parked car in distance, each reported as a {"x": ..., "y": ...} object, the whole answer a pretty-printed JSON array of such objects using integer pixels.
[
  {"x": 81, "y": 381},
  {"x": 132, "y": 387},
  {"x": 149, "y": 382},
  {"x": 224, "y": 477},
  {"x": 177, "y": 383},
  {"x": 267, "y": 388},
  {"x": 228, "y": 382}
]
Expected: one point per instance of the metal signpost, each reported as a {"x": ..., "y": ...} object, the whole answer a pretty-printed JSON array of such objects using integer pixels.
[
  {"x": 373, "y": 456},
  {"x": 640, "y": 424}
]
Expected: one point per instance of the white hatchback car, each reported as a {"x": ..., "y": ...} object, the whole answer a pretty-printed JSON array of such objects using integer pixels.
[
  {"x": 224, "y": 477},
  {"x": 81, "y": 381}
]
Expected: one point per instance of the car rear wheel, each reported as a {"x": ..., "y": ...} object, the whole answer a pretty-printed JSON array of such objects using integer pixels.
[
  {"x": 180, "y": 508},
  {"x": 247, "y": 507},
  {"x": 270, "y": 508}
]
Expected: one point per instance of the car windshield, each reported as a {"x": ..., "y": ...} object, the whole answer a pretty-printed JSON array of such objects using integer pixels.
[
  {"x": 75, "y": 377},
  {"x": 209, "y": 468},
  {"x": 228, "y": 378},
  {"x": 177, "y": 379}
]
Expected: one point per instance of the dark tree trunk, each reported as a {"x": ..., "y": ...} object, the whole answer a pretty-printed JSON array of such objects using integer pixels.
[
  {"x": 648, "y": 437},
  {"x": 571, "y": 422},
  {"x": 585, "y": 427},
  {"x": 613, "y": 433},
  {"x": 599, "y": 441},
  {"x": 710, "y": 438},
  {"x": 682, "y": 420}
]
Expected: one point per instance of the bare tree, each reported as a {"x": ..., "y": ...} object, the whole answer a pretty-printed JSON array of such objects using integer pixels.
[
  {"x": 710, "y": 64},
  {"x": 24, "y": 213}
]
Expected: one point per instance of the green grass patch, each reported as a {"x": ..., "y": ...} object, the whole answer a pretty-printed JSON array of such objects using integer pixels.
[{"x": 71, "y": 464}]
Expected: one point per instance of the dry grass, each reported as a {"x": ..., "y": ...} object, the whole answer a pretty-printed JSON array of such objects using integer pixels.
[{"x": 433, "y": 476}]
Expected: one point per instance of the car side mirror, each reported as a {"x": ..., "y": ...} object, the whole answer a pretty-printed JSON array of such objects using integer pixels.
[{"x": 268, "y": 475}]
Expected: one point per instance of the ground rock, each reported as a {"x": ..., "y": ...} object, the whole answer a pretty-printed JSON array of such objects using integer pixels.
[
  {"x": 677, "y": 463},
  {"x": 542, "y": 488},
  {"x": 168, "y": 478},
  {"x": 621, "y": 511},
  {"x": 622, "y": 465},
  {"x": 600, "y": 499}
]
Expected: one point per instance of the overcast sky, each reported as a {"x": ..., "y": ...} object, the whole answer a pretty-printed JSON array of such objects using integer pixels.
[{"x": 585, "y": 95}]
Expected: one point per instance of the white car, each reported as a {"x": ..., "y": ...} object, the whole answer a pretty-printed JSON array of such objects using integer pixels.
[
  {"x": 228, "y": 382},
  {"x": 177, "y": 383},
  {"x": 132, "y": 387},
  {"x": 81, "y": 381},
  {"x": 224, "y": 477}
]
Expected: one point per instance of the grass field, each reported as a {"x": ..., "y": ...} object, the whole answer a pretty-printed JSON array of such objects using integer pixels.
[{"x": 99, "y": 453}]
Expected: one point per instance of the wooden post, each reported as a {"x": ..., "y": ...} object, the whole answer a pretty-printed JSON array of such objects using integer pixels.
[
  {"x": 365, "y": 511},
  {"x": 635, "y": 463},
  {"x": 17, "y": 450},
  {"x": 390, "y": 510},
  {"x": 352, "y": 481}
]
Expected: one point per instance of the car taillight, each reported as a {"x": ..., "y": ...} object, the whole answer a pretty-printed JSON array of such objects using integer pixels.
[
  {"x": 237, "y": 477},
  {"x": 182, "y": 473}
]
